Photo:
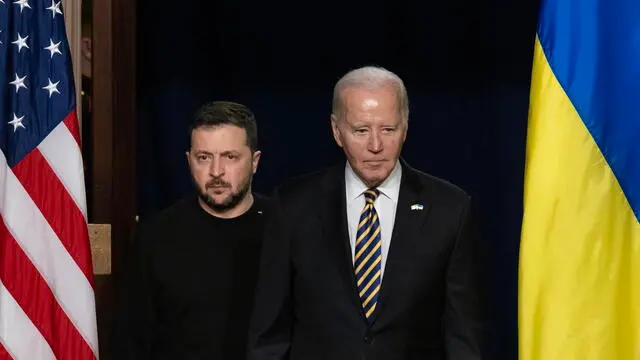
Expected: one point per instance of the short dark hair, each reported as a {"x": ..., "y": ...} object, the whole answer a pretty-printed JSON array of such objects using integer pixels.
[{"x": 218, "y": 113}]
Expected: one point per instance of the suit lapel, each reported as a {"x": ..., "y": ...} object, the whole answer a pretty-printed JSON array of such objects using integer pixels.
[
  {"x": 334, "y": 221},
  {"x": 411, "y": 213}
]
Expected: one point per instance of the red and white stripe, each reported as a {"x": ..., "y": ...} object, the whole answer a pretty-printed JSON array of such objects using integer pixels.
[{"x": 47, "y": 305}]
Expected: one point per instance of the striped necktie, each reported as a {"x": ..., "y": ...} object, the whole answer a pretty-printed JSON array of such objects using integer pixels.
[{"x": 368, "y": 254}]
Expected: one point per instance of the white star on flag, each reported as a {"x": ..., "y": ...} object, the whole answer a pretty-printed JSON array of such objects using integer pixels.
[
  {"x": 52, "y": 87},
  {"x": 21, "y": 42},
  {"x": 53, "y": 48},
  {"x": 19, "y": 82},
  {"x": 23, "y": 4},
  {"x": 55, "y": 8},
  {"x": 16, "y": 122}
]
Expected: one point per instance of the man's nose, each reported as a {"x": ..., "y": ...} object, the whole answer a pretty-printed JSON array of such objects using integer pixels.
[
  {"x": 217, "y": 167},
  {"x": 375, "y": 142}
]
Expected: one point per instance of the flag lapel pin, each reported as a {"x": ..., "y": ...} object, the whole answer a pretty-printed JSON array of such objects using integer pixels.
[{"x": 417, "y": 207}]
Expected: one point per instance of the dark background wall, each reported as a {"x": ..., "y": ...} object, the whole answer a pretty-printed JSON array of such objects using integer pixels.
[{"x": 467, "y": 66}]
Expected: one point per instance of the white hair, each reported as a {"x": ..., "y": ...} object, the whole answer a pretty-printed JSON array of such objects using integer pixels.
[{"x": 371, "y": 78}]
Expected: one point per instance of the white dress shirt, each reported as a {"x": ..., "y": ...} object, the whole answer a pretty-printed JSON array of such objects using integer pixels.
[{"x": 385, "y": 205}]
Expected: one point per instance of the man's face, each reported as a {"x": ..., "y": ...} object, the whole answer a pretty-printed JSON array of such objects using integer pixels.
[
  {"x": 222, "y": 165},
  {"x": 371, "y": 132}
]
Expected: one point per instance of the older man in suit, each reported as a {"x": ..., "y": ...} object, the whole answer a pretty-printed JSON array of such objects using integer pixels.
[{"x": 371, "y": 259}]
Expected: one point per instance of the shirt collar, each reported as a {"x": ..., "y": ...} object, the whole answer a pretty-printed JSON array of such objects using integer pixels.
[{"x": 390, "y": 187}]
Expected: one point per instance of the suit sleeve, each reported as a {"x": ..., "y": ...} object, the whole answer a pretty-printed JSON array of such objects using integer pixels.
[
  {"x": 272, "y": 320},
  {"x": 134, "y": 315},
  {"x": 462, "y": 318}
]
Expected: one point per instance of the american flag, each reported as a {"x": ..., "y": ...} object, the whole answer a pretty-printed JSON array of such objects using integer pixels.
[{"x": 47, "y": 306}]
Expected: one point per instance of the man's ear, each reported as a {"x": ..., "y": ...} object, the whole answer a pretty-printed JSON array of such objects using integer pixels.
[
  {"x": 335, "y": 130},
  {"x": 406, "y": 131},
  {"x": 86, "y": 48},
  {"x": 256, "y": 160}
]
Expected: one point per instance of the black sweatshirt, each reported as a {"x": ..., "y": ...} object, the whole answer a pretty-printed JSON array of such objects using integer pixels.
[{"x": 188, "y": 290}]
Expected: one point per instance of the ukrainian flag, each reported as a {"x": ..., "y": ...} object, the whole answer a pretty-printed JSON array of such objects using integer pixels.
[{"x": 579, "y": 292}]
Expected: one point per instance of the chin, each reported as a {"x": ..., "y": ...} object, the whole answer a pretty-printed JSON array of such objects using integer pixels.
[
  {"x": 217, "y": 204},
  {"x": 217, "y": 198},
  {"x": 373, "y": 179},
  {"x": 220, "y": 199},
  {"x": 372, "y": 174}
]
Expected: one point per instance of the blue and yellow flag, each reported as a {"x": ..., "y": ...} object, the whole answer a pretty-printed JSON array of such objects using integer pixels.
[{"x": 579, "y": 292}]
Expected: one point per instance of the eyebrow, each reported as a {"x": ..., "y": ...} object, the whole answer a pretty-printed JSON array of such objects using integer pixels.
[
  {"x": 230, "y": 152},
  {"x": 358, "y": 125},
  {"x": 226, "y": 152},
  {"x": 362, "y": 125}
]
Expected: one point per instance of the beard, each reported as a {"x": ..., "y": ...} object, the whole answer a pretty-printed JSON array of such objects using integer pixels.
[{"x": 231, "y": 201}]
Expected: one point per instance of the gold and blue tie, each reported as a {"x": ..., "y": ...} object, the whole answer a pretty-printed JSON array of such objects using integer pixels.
[{"x": 368, "y": 254}]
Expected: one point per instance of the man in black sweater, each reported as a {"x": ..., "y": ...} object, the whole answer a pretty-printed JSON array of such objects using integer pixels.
[{"x": 188, "y": 290}]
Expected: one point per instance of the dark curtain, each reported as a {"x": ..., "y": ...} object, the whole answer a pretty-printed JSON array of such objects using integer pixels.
[{"x": 466, "y": 64}]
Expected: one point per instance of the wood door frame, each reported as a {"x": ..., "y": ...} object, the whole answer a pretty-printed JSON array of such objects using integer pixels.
[
  {"x": 114, "y": 121},
  {"x": 113, "y": 137}
]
